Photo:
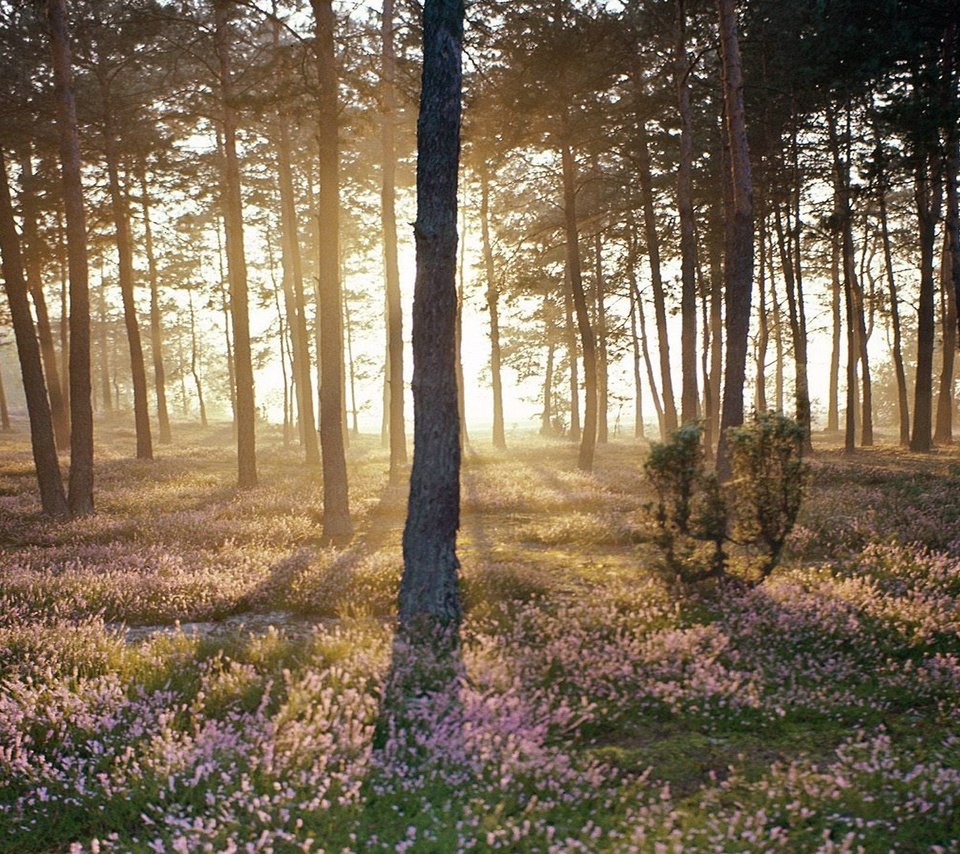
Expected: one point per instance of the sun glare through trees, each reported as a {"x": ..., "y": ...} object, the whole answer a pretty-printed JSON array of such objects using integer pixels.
[{"x": 438, "y": 426}]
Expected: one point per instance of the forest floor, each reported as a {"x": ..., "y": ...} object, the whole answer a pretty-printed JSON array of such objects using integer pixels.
[{"x": 191, "y": 669}]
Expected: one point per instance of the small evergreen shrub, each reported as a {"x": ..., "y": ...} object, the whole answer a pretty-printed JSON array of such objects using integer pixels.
[{"x": 698, "y": 519}]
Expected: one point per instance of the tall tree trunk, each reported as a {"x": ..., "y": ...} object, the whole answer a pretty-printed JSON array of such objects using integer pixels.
[
  {"x": 688, "y": 238},
  {"x": 194, "y": 363},
  {"x": 32, "y": 265},
  {"x": 105, "y": 387},
  {"x": 763, "y": 328},
  {"x": 156, "y": 326},
  {"x": 428, "y": 589},
  {"x": 738, "y": 265},
  {"x": 121, "y": 221},
  {"x": 81, "y": 406},
  {"x": 461, "y": 278},
  {"x": 64, "y": 310},
  {"x": 777, "y": 325},
  {"x": 546, "y": 417},
  {"x": 948, "y": 318},
  {"x": 927, "y": 195},
  {"x": 638, "y": 432},
  {"x": 351, "y": 368},
  {"x": 588, "y": 438},
  {"x": 711, "y": 432},
  {"x": 669, "y": 422},
  {"x": 232, "y": 201},
  {"x": 228, "y": 337},
  {"x": 293, "y": 289},
  {"x": 573, "y": 356},
  {"x": 493, "y": 299},
  {"x": 337, "y": 526},
  {"x": 394, "y": 372},
  {"x": 632, "y": 252},
  {"x": 52, "y": 497},
  {"x": 833, "y": 401},
  {"x": 903, "y": 406},
  {"x": 603, "y": 395}
]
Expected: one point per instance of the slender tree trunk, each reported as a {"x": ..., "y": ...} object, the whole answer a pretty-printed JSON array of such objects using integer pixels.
[
  {"x": 156, "y": 326},
  {"x": 81, "y": 406},
  {"x": 572, "y": 356},
  {"x": 603, "y": 395},
  {"x": 546, "y": 417},
  {"x": 428, "y": 589},
  {"x": 833, "y": 404},
  {"x": 927, "y": 195},
  {"x": 294, "y": 291},
  {"x": 336, "y": 507},
  {"x": 351, "y": 371},
  {"x": 638, "y": 432},
  {"x": 948, "y": 318},
  {"x": 121, "y": 221},
  {"x": 232, "y": 200},
  {"x": 903, "y": 407},
  {"x": 588, "y": 438},
  {"x": 669, "y": 422},
  {"x": 394, "y": 371},
  {"x": 688, "y": 238},
  {"x": 711, "y": 431},
  {"x": 32, "y": 265},
  {"x": 194, "y": 363},
  {"x": 493, "y": 299},
  {"x": 461, "y": 278},
  {"x": 632, "y": 251},
  {"x": 738, "y": 265},
  {"x": 228, "y": 337},
  {"x": 64, "y": 310},
  {"x": 52, "y": 497},
  {"x": 763, "y": 330},
  {"x": 105, "y": 387},
  {"x": 777, "y": 325}
]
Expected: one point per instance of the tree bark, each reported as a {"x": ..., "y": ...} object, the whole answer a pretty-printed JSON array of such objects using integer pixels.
[
  {"x": 603, "y": 394},
  {"x": 32, "y": 258},
  {"x": 194, "y": 363},
  {"x": 738, "y": 265},
  {"x": 293, "y": 288},
  {"x": 638, "y": 432},
  {"x": 232, "y": 201},
  {"x": 337, "y": 526},
  {"x": 80, "y": 492},
  {"x": 156, "y": 325},
  {"x": 688, "y": 238},
  {"x": 121, "y": 221},
  {"x": 493, "y": 299},
  {"x": 950, "y": 285},
  {"x": 927, "y": 196},
  {"x": 52, "y": 497},
  {"x": 428, "y": 589},
  {"x": 669, "y": 421},
  {"x": 394, "y": 369},
  {"x": 573, "y": 356}
]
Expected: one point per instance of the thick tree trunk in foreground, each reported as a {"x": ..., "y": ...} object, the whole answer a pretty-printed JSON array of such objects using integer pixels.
[
  {"x": 493, "y": 299},
  {"x": 81, "y": 406},
  {"x": 738, "y": 265},
  {"x": 232, "y": 200},
  {"x": 336, "y": 508},
  {"x": 428, "y": 590},
  {"x": 156, "y": 326},
  {"x": 32, "y": 267},
  {"x": 394, "y": 373},
  {"x": 52, "y": 497}
]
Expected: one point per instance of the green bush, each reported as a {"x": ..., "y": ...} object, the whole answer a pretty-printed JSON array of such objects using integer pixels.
[{"x": 698, "y": 518}]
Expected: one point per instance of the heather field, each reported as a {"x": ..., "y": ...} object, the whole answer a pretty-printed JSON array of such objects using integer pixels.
[{"x": 192, "y": 670}]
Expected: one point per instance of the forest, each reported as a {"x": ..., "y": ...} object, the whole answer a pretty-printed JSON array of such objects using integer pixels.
[{"x": 524, "y": 425}]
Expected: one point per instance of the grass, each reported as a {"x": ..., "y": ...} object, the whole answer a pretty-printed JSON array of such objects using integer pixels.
[{"x": 192, "y": 667}]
